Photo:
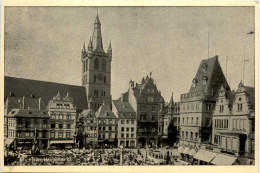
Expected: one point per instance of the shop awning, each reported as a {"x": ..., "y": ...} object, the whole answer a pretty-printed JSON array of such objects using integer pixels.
[
  {"x": 9, "y": 141},
  {"x": 62, "y": 142},
  {"x": 222, "y": 159},
  {"x": 186, "y": 150},
  {"x": 192, "y": 152},
  {"x": 180, "y": 149},
  {"x": 205, "y": 155}
]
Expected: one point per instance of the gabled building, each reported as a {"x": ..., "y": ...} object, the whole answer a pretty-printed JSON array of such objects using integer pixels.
[
  {"x": 126, "y": 123},
  {"x": 234, "y": 123},
  {"x": 197, "y": 105},
  {"x": 107, "y": 127},
  {"x": 62, "y": 114},
  {"x": 88, "y": 126},
  {"x": 147, "y": 102}
]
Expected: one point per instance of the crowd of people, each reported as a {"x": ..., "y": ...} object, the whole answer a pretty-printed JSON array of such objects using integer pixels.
[{"x": 83, "y": 157}]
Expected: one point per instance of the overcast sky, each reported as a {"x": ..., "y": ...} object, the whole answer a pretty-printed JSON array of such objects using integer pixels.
[{"x": 44, "y": 43}]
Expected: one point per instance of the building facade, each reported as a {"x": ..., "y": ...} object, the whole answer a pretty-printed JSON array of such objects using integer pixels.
[
  {"x": 62, "y": 114},
  {"x": 96, "y": 68},
  {"x": 126, "y": 123},
  {"x": 234, "y": 122},
  {"x": 89, "y": 128},
  {"x": 107, "y": 127},
  {"x": 147, "y": 102},
  {"x": 197, "y": 105}
]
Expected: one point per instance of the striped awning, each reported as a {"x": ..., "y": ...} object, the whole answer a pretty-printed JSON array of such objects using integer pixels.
[
  {"x": 223, "y": 159},
  {"x": 192, "y": 152},
  {"x": 204, "y": 155},
  {"x": 9, "y": 141},
  {"x": 62, "y": 142},
  {"x": 186, "y": 150},
  {"x": 180, "y": 149}
]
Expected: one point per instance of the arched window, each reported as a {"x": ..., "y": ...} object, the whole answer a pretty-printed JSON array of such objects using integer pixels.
[
  {"x": 86, "y": 79},
  {"x": 86, "y": 65},
  {"x": 96, "y": 64},
  {"x": 104, "y": 65},
  {"x": 104, "y": 79},
  {"x": 83, "y": 66},
  {"x": 95, "y": 78}
]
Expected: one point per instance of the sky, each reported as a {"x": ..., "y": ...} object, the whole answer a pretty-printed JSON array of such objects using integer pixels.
[{"x": 44, "y": 43}]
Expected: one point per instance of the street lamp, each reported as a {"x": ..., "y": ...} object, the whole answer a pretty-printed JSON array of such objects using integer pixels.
[{"x": 121, "y": 156}]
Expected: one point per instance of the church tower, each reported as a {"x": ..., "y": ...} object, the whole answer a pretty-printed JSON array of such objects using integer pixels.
[{"x": 96, "y": 69}]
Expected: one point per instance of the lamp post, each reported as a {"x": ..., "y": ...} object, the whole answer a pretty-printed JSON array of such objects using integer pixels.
[{"x": 121, "y": 156}]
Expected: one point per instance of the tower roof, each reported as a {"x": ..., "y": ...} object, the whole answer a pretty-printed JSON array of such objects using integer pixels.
[
  {"x": 171, "y": 104},
  {"x": 89, "y": 44},
  {"x": 97, "y": 37},
  {"x": 209, "y": 70}
]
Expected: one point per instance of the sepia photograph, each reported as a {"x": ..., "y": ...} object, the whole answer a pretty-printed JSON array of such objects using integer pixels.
[{"x": 129, "y": 86}]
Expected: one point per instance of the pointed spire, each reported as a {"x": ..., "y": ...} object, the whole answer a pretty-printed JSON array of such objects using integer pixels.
[
  {"x": 97, "y": 37},
  {"x": 171, "y": 104},
  {"x": 110, "y": 47},
  {"x": 97, "y": 21},
  {"x": 90, "y": 46},
  {"x": 84, "y": 48},
  {"x": 241, "y": 84}
]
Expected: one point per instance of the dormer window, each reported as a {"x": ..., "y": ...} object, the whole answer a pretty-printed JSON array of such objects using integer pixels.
[
  {"x": 205, "y": 79},
  {"x": 194, "y": 82},
  {"x": 204, "y": 67}
]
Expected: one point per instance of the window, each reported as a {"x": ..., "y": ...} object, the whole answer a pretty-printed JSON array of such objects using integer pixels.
[
  {"x": 86, "y": 65},
  {"x": 122, "y": 135},
  {"x": 197, "y": 120},
  {"x": 192, "y": 120},
  {"x": 68, "y": 134},
  {"x": 132, "y": 122},
  {"x": 95, "y": 78},
  {"x": 53, "y": 126},
  {"x": 132, "y": 135},
  {"x": 196, "y": 136},
  {"x": 127, "y": 121},
  {"x": 99, "y": 128},
  {"x": 182, "y": 120},
  {"x": 104, "y": 65},
  {"x": 208, "y": 106},
  {"x": 153, "y": 117},
  {"x": 187, "y": 122},
  {"x": 149, "y": 99},
  {"x": 122, "y": 129},
  {"x": 186, "y": 135},
  {"x": 205, "y": 79},
  {"x": 122, "y": 121},
  {"x": 127, "y": 135},
  {"x": 182, "y": 134},
  {"x": 143, "y": 108},
  {"x": 221, "y": 108},
  {"x": 191, "y": 135},
  {"x": 104, "y": 79},
  {"x": 60, "y": 134},
  {"x": 60, "y": 126},
  {"x": 127, "y": 129},
  {"x": 184, "y": 106},
  {"x": 104, "y": 128},
  {"x": 132, "y": 129},
  {"x": 68, "y": 126},
  {"x": 110, "y": 128},
  {"x": 239, "y": 107},
  {"x": 96, "y": 64},
  {"x": 208, "y": 121}
]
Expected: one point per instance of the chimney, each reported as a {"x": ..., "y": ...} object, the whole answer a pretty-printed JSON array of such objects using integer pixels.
[
  {"x": 122, "y": 97},
  {"x": 40, "y": 99}
]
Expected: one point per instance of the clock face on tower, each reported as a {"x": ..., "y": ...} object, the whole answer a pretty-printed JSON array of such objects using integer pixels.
[{"x": 99, "y": 76}]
